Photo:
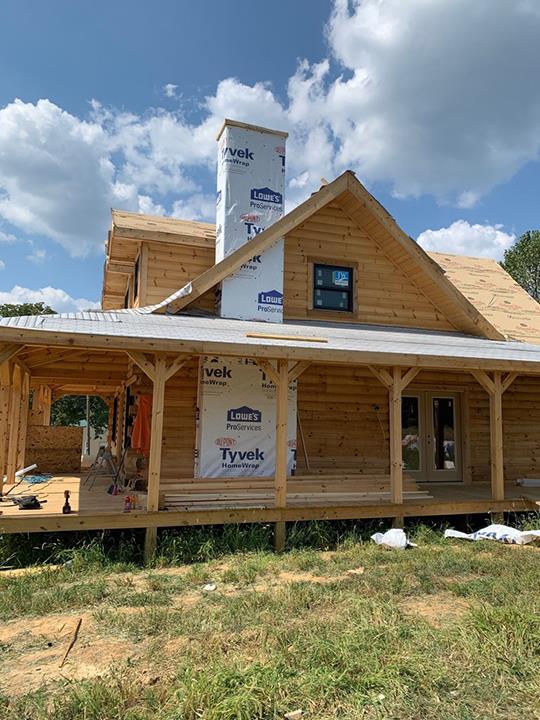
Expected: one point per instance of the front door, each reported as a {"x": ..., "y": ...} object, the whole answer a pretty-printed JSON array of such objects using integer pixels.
[{"x": 431, "y": 438}]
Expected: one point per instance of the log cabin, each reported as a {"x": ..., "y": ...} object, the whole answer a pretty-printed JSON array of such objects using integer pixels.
[{"x": 384, "y": 382}]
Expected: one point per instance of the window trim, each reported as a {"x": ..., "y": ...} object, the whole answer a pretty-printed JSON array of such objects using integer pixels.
[{"x": 313, "y": 310}]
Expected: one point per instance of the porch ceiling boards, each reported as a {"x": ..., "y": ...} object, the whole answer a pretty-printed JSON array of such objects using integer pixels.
[{"x": 322, "y": 342}]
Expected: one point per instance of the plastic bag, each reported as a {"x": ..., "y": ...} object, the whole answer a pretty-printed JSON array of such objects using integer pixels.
[{"x": 394, "y": 539}]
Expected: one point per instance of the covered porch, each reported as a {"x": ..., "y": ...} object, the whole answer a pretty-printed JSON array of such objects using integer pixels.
[{"x": 152, "y": 354}]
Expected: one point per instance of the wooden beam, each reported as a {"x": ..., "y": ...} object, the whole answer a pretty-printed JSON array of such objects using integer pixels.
[
  {"x": 14, "y": 415},
  {"x": 409, "y": 377},
  {"x": 5, "y": 379},
  {"x": 7, "y": 352},
  {"x": 382, "y": 375},
  {"x": 282, "y": 414},
  {"x": 39, "y": 522},
  {"x": 396, "y": 448},
  {"x": 484, "y": 380},
  {"x": 23, "y": 422},
  {"x": 175, "y": 366},
  {"x": 496, "y": 439},
  {"x": 298, "y": 369},
  {"x": 269, "y": 370},
  {"x": 156, "y": 440},
  {"x": 141, "y": 360},
  {"x": 123, "y": 267},
  {"x": 508, "y": 380}
]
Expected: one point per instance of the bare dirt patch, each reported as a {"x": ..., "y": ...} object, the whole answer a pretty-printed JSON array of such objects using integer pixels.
[
  {"x": 438, "y": 609},
  {"x": 34, "y": 649}
]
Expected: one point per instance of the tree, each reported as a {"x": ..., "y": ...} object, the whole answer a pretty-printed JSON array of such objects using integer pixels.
[
  {"x": 522, "y": 262},
  {"x": 70, "y": 409},
  {"x": 23, "y": 309}
]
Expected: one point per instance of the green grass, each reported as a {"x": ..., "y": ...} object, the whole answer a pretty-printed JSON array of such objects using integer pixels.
[{"x": 448, "y": 630}]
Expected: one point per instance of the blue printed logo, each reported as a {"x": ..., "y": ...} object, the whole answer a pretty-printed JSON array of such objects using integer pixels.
[
  {"x": 265, "y": 194},
  {"x": 270, "y": 297},
  {"x": 244, "y": 414}
]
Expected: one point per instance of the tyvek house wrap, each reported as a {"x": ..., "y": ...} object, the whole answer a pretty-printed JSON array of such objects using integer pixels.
[
  {"x": 250, "y": 197},
  {"x": 237, "y": 420},
  {"x": 236, "y": 417}
]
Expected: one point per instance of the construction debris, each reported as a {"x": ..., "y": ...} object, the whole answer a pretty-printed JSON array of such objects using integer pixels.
[
  {"x": 500, "y": 533},
  {"x": 72, "y": 641},
  {"x": 394, "y": 539}
]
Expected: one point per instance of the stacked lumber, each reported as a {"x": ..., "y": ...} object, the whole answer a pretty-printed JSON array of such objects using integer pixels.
[{"x": 326, "y": 490}]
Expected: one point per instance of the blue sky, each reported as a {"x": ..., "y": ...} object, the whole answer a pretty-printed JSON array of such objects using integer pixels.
[{"x": 435, "y": 106}]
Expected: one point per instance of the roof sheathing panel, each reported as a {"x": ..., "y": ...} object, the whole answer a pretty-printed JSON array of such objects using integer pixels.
[{"x": 495, "y": 293}]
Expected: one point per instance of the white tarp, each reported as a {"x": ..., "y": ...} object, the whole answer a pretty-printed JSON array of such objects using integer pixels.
[
  {"x": 236, "y": 429},
  {"x": 500, "y": 533},
  {"x": 250, "y": 195}
]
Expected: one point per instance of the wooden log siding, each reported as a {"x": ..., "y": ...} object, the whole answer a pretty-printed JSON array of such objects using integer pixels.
[
  {"x": 384, "y": 293},
  {"x": 170, "y": 267}
]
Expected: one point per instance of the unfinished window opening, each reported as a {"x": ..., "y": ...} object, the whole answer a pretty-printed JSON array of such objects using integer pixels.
[
  {"x": 332, "y": 287},
  {"x": 136, "y": 274},
  {"x": 126, "y": 297}
]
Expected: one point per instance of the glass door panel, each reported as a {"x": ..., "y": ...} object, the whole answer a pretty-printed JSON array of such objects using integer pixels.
[
  {"x": 443, "y": 438},
  {"x": 410, "y": 433}
]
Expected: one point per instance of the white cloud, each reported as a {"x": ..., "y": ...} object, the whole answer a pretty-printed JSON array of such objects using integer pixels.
[
  {"x": 440, "y": 97},
  {"x": 437, "y": 98},
  {"x": 196, "y": 207},
  {"x": 57, "y": 299},
  {"x": 7, "y": 237},
  {"x": 170, "y": 90},
  {"x": 37, "y": 256},
  {"x": 55, "y": 175},
  {"x": 2, "y": 265},
  {"x": 461, "y": 238}
]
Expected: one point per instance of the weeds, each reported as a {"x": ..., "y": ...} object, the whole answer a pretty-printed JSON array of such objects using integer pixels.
[{"x": 448, "y": 630}]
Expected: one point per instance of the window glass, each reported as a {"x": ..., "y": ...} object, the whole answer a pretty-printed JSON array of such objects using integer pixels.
[
  {"x": 410, "y": 433},
  {"x": 332, "y": 287}
]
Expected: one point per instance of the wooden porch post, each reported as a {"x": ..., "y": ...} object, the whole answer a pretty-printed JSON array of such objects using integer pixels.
[
  {"x": 495, "y": 387},
  {"x": 496, "y": 439},
  {"x": 159, "y": 372},
  {"x": 23, "y": 423},
  {"x": 154, "y": 459},
  {"x": 40, "y": 413},
  {"x": 5, "y": 377},
  {"x": 396, "y": 452},
  {"x": 282, "y": 413},
  {"x": 396, "y": 382},
  {"x": 14, "y": 415}
]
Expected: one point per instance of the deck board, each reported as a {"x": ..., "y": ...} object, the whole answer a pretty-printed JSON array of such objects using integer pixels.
[{"x": 94, "y": 508}]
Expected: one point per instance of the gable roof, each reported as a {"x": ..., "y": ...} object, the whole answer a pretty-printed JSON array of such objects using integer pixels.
[
  {"x": 495, "y": 294},
  {"x": 362, "y": 207}
]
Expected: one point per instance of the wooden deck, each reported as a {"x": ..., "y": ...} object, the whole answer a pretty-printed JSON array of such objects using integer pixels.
[{"x": 93, "y": 508}]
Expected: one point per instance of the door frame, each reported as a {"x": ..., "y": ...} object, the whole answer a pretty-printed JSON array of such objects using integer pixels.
[{"x": 427, "y": 472}]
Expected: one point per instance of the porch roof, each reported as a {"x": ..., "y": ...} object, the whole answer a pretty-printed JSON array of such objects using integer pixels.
[{"x": 323, "y": 342}]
